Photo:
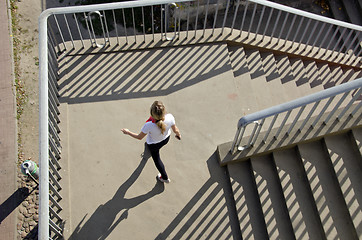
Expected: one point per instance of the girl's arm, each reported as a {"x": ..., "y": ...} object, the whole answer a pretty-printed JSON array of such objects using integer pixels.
[
  {"x": 139, "y": 136},
  {"x": 176, "y": 131}
]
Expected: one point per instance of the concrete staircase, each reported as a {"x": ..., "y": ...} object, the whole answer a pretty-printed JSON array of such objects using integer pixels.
[
  {"x": 311, "y": 191},
  {"x": 289, "y": 70}
]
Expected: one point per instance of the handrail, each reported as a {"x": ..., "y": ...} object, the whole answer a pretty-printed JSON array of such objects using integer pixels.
[{"x": 275, "y": 111}]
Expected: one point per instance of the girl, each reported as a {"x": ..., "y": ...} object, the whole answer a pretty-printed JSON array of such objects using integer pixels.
[{"x": 158, "y": 130}]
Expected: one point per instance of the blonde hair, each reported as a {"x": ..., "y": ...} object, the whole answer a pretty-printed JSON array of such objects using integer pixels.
[{"x": 158, "y": 112}]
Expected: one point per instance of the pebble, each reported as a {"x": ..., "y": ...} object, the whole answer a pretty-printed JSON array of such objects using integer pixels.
[
  {"x": 28, "y": 217},
  {"x": 19, "y": 226},
  {"x": 22, "y": 210},
  {"x": 32, "y": 223},
  {"x": 31, "y": 210},
  {"x": 25, "y": 204},
  {"x": 25, "y": 225},
  {"x": 23, "y": 234}
]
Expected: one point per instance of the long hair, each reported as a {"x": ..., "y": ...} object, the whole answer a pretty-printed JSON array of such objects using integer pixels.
[{"x": 158, "y": 112}]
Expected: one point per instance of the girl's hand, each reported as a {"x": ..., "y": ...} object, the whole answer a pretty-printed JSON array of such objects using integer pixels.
[
  {"x": 125, "y": 130},
  {"x": 178, "y": 137}
]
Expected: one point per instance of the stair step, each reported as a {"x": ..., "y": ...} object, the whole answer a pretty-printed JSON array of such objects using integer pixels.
[
  {"x": 357, "y": 135},
  {"x": 284, "y": 68},
  {"x": 327, "y": 195},
  {"x": 312, "y": 72},
  {"x": 270, "y": 68},
  {"x": 247, "y": 202},
  {"x": 271, "y": 198},
  {"x": 299, "y": 72},
  {"x": 348, "y": 168},
  {"x": 348, "y": 75},
  {"x": 325, "y": 73},
  {"x": 337, "y": 73},
  {"x": 298, "y": 196},
  {"x": 238, "y": 60},
  {"x": 242, "y": 80},
  {"x": 255, "y": 64},
  {"x": 300, "y": 77}
]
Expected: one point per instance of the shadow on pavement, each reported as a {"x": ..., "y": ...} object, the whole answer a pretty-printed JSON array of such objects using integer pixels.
[
  {"x": 7, "y": 207},
  {"x": 103, "y": 221},
  {"x": 211, "y": 213}
]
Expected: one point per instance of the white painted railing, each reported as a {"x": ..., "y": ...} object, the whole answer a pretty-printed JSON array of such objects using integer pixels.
[{"x": 147, "y": 21}]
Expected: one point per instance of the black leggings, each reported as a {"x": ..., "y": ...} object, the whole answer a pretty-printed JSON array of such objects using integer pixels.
[{"x": 155, "y": 153}]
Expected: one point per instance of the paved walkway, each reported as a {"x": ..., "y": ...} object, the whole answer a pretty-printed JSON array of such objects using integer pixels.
[{"x": 7, "y": 132}]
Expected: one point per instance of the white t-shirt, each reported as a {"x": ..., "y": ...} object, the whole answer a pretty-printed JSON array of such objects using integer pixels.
[{"x": 153, "y": 132}]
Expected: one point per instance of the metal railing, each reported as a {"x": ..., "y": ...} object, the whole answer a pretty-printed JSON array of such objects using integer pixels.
[
  {"x": 260, "y": 20},
  {"x": 147, "y": 21},
  {"x": 314, "y": 105}
]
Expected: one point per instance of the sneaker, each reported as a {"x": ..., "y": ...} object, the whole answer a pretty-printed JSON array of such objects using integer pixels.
[{"x": 159, "y": 178}]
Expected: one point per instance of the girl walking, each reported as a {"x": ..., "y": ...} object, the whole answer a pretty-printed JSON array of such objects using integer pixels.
[{"x": 158, "y": 130}]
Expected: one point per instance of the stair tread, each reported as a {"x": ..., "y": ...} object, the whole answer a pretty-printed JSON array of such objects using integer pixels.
[
  {"x": 271, "y": 198},
  {"x": 348, "y": 166},
  {"x": 302, "y": 213},
  {"x": 325, "y": 73},
  {"x": 300, "y": 76},
  {"x": 312, "y": 72},
  {"x": 238, "y": 60},
  {"x": 247, "y": 203},
  {"x": 335, "y": 219},
  {"x": 255, "y": 65},
  {"x": 270, "y": 68},
  {"x": 337, "y": 73},
  {"x": 284, "y": 69}
]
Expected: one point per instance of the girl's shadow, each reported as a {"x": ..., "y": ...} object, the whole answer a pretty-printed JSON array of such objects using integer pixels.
[{"x": 103, "y": 221}]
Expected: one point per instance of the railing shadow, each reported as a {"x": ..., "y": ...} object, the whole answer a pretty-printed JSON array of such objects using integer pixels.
[
  {"x": 211, "y": 212},
  {"x": 10, "y": 204},
  {"x": 138, "y": 74},
  {"x": 103, "y": 221}
]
